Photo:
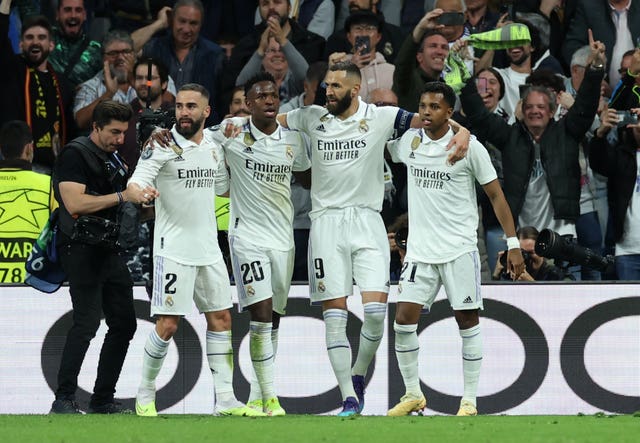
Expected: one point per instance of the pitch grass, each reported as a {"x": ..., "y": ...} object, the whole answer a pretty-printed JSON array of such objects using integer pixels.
[{"x": 306, "y": 428}]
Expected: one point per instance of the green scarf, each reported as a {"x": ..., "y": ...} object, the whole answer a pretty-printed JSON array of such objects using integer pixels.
[{"x": 509, "y": 36}]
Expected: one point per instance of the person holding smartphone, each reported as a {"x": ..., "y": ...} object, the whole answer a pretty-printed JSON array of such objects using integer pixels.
[{"x": 364, "y": 31}]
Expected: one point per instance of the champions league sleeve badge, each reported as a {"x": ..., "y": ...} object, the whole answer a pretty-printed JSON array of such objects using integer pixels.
[
  {"x": 363, "y": 126},
  {"x": 146, "y": 153},
  {"x": 414, "y": 145}
]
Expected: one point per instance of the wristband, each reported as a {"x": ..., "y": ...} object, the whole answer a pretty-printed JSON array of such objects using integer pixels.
[
  {"x": 513, "y": 243},
  {"x": 120, "y": 198}
]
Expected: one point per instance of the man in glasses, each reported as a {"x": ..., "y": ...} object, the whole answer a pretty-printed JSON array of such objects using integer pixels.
[{"x": 113, "y": 82}]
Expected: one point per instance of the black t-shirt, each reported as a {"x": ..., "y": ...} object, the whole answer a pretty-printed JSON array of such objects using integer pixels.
[{"x": 72, "y": 167}]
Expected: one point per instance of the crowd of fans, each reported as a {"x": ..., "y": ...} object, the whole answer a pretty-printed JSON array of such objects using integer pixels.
[{"x": 560, "y": 127}]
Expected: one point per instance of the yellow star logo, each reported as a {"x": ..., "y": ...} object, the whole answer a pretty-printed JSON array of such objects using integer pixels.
[{"x": 23, "y": 210}]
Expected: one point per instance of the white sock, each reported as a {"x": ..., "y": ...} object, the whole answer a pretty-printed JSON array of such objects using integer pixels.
[
  {"x": 220, "y": 357},
  {"x": 471, "y": 361},
  {"x": 407, "y": 350},
  {"x": 261, "y": 351},
  {"x": 155, "y": 350},
  {"x": 335, "y": 321},
  {"x": 255, "y": 393},
  {"x": 370, "y": 336}
]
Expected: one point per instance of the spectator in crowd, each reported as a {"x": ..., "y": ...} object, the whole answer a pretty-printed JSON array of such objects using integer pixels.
[
  {"x": 626, "y": 95},
  {"x": 189, "y": 57},
  {"x": 313, "y": 89},
  {"x": 537, "y": 268},
  {"x": 113, "y": 82},
  {"x": 158, "y": 102},
  {"x": 491, "y": 89},
  {"x": 75, "y": 56},
  {"x": 619, "y": 162},
  {"x": 364, "y": 32},
  {"x": 275, "y": 23},
  {"x": 32, "y": 91},
  {"x": 283, "y": 62},
  {"x": 238, "y": 106},
  {"x": 25, "y": 197},
  {"x": 614, "y": 22},
  {"x": 429, "y": 47},
  {"x": 479, "y": 17},
  {"x": 317, "y": 16},
  {"x": 390, "y": 35},
  {"x": 540, "y": 163},
  {"x": 99, "y": 280}
]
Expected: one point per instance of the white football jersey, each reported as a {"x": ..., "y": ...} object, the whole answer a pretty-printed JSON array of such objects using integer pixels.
[
  {"x": 347, "y": 155},
  {"x": 187, "y": 177},
  {"x": 260, "y": 189},
  {"x": 443, "y": 210}
]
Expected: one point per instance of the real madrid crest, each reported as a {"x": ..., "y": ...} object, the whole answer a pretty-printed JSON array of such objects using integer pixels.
[
  {"x": 215, "y": 156},
  {"x": 168, "y": 301},
  {"x": 178, "y": 150},
  {"x": 363, "y": 126},
  {"x": 250, "y": 291},
  {"x": 321, "y": 287},
  {"x": 248, "y": 139},
  {"x": 414, "y": 145},
  {"x": 289, "y": 152}
]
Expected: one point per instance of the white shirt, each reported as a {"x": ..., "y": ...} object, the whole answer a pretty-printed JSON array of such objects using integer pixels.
[
  {"x": 347, "y": 155},
  {"x": 630, "y": 242},
  {"x": 512, "y": 81},
  {"x": 624, "y": 41},
  {"x": 260, "y": 190},
  {"x": 443, "y": 210},
  {"x": 186, "y": 177}
]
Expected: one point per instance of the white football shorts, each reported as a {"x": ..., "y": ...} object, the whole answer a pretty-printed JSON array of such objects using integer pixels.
[
  {"x": 346, "y": 245},
  {"x": 175, "y": 285},
  {"x": 261, "y": 274},
  {"x": 420, "y": 282}
]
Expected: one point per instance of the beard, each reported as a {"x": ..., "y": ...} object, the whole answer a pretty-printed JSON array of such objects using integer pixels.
[
  {"x": 520, "y": 60},
  {"x": 341, "y": 106},
  {"x": 151, "y": 95},
  {"x": 35, "y": 59},
  {"x": 120, "y": 76},
  {"x": 190, "y": 131}
]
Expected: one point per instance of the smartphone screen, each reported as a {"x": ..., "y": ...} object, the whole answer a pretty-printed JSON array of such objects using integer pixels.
[
  {"x": 451, "y": 19},
  {"x": 363, "y": 44},
  {"x": 481, "y": 84}
]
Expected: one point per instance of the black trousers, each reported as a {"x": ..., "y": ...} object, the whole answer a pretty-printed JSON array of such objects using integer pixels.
[{"x": 99, "y": 281}]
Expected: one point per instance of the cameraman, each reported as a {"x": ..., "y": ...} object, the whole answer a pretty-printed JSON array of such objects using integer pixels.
[
  {"x": 536, "y": 268},
  {"x": 160, "y": 105},
  {"x": 90, "y": 186}
]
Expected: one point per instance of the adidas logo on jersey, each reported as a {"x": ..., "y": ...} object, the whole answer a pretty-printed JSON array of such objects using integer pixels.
[
  {"x": 412, "y": 155},
  {"x": 467, "y": 300},
  {"x": 321, "y": 128},
  {"x": 248, "y": 150}
]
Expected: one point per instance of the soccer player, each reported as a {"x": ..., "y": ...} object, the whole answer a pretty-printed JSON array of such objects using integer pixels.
[
  {"x": 261, "y": 159},
  {"x": 348, "y": 240},
  {"x": 188, "y": 263},
  {"x": 442, "y": 242}
]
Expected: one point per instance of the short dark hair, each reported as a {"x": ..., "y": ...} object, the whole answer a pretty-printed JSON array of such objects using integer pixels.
[
  {"x": 527, "y": 233},
  {"x": 427, "y": 34},
  {"x": 546, "y": 77},
  {"x": 497, "y": 75},
  {"x": 447, "y": 91},
  {"x": 14, "y": 136},
  {"x": 350, "y": 68},
  {"x": 363, "y": 17},
  {"x": 60, "y": 2},
  {"x": 197, "y": 87},
  {"x": 36, "y": 20},
  {"x": 262, "y": 76},
  {"x": 316, "y": 72},
  {"x": 163, "y": 73},
  {"x": 108, "y": 110}
]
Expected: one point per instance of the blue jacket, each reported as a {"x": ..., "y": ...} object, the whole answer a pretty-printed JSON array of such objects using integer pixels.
[{"x": 207, "y": 68}]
